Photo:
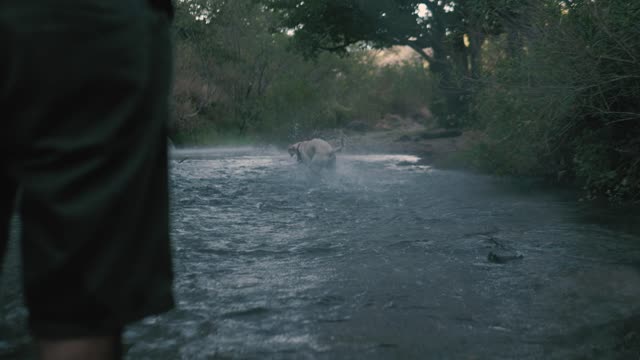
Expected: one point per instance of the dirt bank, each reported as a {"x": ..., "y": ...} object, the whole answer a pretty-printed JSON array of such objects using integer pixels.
[{"x": 433, "y": 145}]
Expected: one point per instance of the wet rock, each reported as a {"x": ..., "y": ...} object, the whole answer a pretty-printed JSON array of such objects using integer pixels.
[
  {"x": 503, "y": 258},
  {"x": 406, "y": 163}
]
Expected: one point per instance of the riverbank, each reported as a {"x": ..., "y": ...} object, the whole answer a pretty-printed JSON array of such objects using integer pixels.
[
  {"x": 392, "y": 135},
  {"x": 434, "y": 146}
]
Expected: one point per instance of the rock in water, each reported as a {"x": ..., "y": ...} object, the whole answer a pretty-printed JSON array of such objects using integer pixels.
[{"x": 501, "y": 259}]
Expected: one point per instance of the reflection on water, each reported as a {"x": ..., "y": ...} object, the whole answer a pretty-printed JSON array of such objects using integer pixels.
[
  {"x": 385, "y": 259},
  {"x": 381, "y": 158}
]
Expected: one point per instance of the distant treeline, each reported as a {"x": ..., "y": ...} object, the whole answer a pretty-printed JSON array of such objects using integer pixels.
[
  {"x": 553, "y": 85},
  {"x": 237, "y": 79}
]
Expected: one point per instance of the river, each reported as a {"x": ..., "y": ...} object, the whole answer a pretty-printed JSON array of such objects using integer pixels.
[{"x": 383, "y": 260}]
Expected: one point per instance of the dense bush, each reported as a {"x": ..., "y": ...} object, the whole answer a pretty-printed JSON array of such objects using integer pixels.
[{"x": 568, "y": 106}]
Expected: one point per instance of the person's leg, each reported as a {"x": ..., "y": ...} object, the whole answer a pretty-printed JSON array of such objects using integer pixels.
[
  {"x": 7, "y": 184},
  {"x": 93, "y": 348},
  {"x": 7, "y": 197},
  {"x": 91, "y": 109}
]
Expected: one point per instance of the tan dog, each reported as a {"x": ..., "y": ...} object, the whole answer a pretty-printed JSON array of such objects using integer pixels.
[{"x": 317, "y": 154}]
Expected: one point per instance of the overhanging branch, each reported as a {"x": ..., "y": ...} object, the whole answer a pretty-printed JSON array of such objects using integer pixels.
[
  {"x": 421, "y": 52},
  {"x": 335, "y": 48}
]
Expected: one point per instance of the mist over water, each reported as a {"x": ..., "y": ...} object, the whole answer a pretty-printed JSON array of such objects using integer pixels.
[{"x": 381, "y": 260}]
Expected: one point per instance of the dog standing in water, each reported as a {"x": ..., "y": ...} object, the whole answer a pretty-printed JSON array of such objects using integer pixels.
[{"x": 317, "y": 154}]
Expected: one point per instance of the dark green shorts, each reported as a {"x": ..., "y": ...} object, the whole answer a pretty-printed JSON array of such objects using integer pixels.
[{"x": 84, "y": 88}]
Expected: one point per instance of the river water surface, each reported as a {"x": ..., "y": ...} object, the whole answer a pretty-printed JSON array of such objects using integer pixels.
[{"x": 379, "y": 261}]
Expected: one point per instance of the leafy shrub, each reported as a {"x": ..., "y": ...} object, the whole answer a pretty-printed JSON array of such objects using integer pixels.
[{"x": 568, "y": 106}]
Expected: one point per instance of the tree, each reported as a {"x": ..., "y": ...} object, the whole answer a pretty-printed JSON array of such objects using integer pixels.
[
  {"x": 233, "y": 55},
  {"x": 236, "y": 78},
  {"x": 446, "y": 34}
]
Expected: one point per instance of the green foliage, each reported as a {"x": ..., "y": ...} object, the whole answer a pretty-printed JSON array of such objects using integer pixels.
[
  {"x": 401, "y": 89},
  {"x": 440, "y": 26},
  {"x": 235, "y": 76},
  {"x": 333, "y": 91},
  {"x": 334, "y": 25},
  {"x": 568, "y": 106}
]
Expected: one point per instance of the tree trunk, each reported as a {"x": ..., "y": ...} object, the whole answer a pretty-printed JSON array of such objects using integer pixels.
[
  {"x": 450, "y": 109},
  {"x": 476, "y": 39}
]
